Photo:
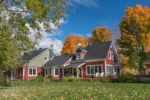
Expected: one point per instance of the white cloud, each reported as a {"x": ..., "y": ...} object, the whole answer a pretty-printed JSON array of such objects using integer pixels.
[
  {"x": 57, "y": 44},
  {"x": 47, "y": 40},
  {"x": 87, "y": 3}
]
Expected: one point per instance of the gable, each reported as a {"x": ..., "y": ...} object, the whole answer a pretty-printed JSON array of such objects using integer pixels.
[{"x": 41, "y": 59}]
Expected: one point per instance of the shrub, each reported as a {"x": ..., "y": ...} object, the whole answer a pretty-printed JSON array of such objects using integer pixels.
[
  {"x": 51, "y": 77},
  {"x": 48, "y": 79},
  {"x": 71, "y": 79},
  {"x": 39, "y": 78},
  {"x": 106, "y": 79},
  {"x": 127, "y": 78}
]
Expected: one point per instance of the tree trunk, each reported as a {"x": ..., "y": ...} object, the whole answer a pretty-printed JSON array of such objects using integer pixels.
[{"x": 6, "y": 78}]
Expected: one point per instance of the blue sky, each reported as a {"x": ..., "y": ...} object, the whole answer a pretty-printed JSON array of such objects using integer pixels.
[{"x": 89, "y": 14}]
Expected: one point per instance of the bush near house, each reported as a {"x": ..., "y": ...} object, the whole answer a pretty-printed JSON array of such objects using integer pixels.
[{"x": 127, "y": 78}]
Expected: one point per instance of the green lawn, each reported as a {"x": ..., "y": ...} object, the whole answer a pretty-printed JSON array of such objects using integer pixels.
[{"x": 75, "y": 91}]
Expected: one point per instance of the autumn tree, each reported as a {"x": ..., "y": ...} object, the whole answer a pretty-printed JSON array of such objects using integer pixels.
[
  {"x": 134, "y": 38},
  {"x": 101, "y": 34},
  {"x": 71, "y": 44},
  {"x": 16, "y": 19}
]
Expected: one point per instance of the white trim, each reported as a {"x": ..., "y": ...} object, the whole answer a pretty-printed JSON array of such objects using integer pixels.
[
  {"x": 105, "y": 65},
  {"x": 32, "y": 68},
  {"x": 58, "y": 71},
  {"x": 81, "y": 65},
  {"x": 79, "y": 56},
  {"x": 23, "y": 73},
  {"x": 92, "y": 60},
  {"x": 94, "y": 68},
  {"x": 112, "y": 69}
]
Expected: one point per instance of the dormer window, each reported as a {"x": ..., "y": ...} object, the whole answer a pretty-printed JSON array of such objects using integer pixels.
[{"x": 79, "y": 56}]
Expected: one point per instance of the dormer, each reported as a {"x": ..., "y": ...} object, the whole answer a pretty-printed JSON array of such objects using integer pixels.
[{"x": 80, "y": 53}]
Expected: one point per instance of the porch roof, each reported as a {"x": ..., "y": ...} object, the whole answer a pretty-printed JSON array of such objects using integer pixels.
[{"x": 74, "y": 65}]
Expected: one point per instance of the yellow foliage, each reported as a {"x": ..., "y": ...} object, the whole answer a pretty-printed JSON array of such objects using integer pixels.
[{"x": 101, "y": 34}]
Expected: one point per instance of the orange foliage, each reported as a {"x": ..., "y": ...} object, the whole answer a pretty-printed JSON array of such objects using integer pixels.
[
  {"x": 101, "y": 34},
  {"x": 135, "y": 27},
  {"x": 71, "y": 44}
]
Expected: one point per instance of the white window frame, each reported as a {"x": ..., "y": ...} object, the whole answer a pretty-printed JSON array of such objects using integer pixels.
[
  {"x": 32, "y": 71},
  {"x": 58, "y": 71},
  {"x": 45, "y": 72},
  {"x": 79, "y": 56},
  {"x": 94, "y": 68},
  {"x": 109, "y": 71}
]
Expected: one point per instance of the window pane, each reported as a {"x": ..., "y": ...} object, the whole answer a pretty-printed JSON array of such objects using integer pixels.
[
  {"x": 88, "y": 70},
  {"x": 96, "y": 69},
  {"x": 100, "y": 69},
  {"x": 92, "y": 69},
  {"x": 46, "y": 72},
  {"x": 34, "y": 71},
  {"x": 56, "y": 71},
  {"x": 30, "y": 71}
]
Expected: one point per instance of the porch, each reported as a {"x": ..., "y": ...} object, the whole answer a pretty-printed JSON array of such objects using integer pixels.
[{"x": 72, "y": 70}]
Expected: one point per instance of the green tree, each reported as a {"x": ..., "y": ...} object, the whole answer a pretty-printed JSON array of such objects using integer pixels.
[
  {"x": 135, "y": 29},
  {"x": 14, "y": 32}
]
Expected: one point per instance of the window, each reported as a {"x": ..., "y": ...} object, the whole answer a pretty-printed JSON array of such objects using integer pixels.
[
  {"x": 32, "y": 71},
  {"x": 46, "y": 72},
  {"x": 110, "y": 70},
  {"x": 93, "y": 69},
  {"x": 78, "y": 56},
  {"x": 56, "y": 71},
  {"x": 109, "y": 55},
  {"x": 88, "y": 69}
]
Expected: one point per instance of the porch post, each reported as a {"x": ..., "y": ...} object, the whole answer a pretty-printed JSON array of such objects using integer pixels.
[
  {"x": 62, "y": 72},
  {"x": 73, "y": 71},
  {"x": 77, "y": 72}
]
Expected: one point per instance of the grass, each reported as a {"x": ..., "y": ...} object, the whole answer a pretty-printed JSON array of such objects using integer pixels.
[{"x": 75, "y": 91}]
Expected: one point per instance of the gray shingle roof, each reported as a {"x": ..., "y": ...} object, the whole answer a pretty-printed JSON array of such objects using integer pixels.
[
  {"x": 58, "y": 61},
  {"x": 97, "y": 51},
  {"x": 33, "y": 54}
]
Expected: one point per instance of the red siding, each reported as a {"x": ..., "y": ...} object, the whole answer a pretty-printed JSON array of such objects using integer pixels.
[
  {"x": 91, "y": 63},
  {"x": 60, "y": 75},
  {"x": 20, "y": 73},
  {"x": 27, "y": 77},
  {"x": 110, "y": 61}
]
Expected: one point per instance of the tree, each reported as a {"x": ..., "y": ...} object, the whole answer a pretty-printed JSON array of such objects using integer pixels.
[
  {"x": 134, "y": 29},
  {"x": 101, "y": 34},
  {"x": 71, "y": 44},
  {"x": 15, "y": 15}
]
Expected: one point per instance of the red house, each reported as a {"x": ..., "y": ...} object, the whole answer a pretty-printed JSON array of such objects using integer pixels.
[
  {"x": 97, "y": 60},
  {"x": 33, "y": 65}
]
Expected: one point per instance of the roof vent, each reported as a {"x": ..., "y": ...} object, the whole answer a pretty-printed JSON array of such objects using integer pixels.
[{"x": 79, "y": 44}]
